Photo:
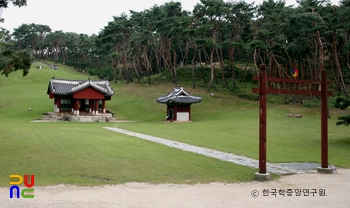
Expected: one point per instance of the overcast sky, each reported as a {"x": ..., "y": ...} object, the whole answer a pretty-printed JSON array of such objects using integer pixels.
[{"x": 82, "y": 16}]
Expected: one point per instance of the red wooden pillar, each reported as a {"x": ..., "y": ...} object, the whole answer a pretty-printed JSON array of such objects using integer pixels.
[
  {"x": 167, "y": 110},
  {"x": 262, "y": 120},
  {"x": 175, "y": 112},
  {"x": 76, "y": 107},
  {"x": 90, "y": 106},
  {"x": 58, "y": 104},
  {"x": 73, "y": 106},
  {"x": 104, "y": 106},
  {"x": 96, "y": 106},
  {"x": 324, "y": 120},
  {"x": 54, "y": 105}
]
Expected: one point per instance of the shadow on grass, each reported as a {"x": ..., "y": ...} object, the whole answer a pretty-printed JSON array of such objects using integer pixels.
[{"x": 341, "y": 142}]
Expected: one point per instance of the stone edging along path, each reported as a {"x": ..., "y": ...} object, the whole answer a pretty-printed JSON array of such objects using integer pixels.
[{"x": 228, "y": 157}]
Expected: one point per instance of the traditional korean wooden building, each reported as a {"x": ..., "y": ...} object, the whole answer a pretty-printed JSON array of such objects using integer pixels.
[
  {"x": 179, "y": 104},
  {"x": 74, "y": 96}
]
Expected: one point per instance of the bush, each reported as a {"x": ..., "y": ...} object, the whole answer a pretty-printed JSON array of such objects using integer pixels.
[
  {"x": 343, "y": 120},
  {"x": 105, "y": 72},
  {"x": 342, "y": 103}
]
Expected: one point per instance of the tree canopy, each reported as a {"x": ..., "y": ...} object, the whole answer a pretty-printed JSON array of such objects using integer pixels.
[
  {"x": 10, "y": 59},
  {"x": 210, "y": 39}
]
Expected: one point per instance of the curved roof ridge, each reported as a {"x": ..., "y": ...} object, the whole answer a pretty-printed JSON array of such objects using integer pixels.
[
  {"x": 94, "y": 85},
  {"x": 86, "y": 84},
  {"x": 179, "y": 95},
  {"x": 64, "y": 86}
]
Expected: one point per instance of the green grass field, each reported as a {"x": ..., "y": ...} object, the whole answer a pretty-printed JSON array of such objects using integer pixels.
[{"x": 87, "y": 154}]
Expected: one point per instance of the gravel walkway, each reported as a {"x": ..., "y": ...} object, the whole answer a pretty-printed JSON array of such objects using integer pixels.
[{"x": 241, "y": 160}]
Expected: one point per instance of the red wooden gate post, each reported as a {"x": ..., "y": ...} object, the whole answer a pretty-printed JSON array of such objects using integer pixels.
[
  {"x": 262, "y": 120},
  {"x": 324, "y": 121},
  {"x": 262, "y": 175},
  {"x": 324, "y": 125},
  {"x": 263, "y": 91}
]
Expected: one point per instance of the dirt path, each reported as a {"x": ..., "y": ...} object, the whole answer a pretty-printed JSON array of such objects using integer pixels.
[{"x": 336, "y": 186}]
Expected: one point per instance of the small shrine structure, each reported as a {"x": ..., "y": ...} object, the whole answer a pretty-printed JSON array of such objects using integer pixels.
[
  {"x": 77, "y": 96},
  {"x": 179, "y": 104}
]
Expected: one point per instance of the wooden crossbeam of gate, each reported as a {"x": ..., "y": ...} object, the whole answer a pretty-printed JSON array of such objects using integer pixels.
[
  {"x": 291, "y": 86},
  {"x": 296, "y": 87}
]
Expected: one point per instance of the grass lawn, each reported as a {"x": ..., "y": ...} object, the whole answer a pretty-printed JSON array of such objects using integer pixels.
[
  {"x": 231, "y": 124},
  {"x": 87, "y": 154}
]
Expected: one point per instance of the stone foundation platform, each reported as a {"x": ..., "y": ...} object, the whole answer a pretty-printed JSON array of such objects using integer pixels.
[{"x": 83, "y": 117}]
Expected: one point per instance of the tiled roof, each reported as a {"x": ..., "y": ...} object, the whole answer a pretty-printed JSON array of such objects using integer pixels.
[
  {"x": 66, "y": 87},
  {"x": 179, "y": 95}
]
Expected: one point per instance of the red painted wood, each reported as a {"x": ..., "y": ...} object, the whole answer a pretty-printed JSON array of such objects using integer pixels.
[
  {"x": 292, "y": 92},
  {"x": 324, "y": 120},
  {"x": 291, "y": 86},
  {"x": 59, "y": 103},
  {"x": 89, "y": 93},
  {"x": 175, "y": 113},
  {"x": 176, "y": 109},
  {"x": 183, "y": 109},
  {"x": 262, "y": 120},
  {"x": 273, "y": 79},
  {"x": 103, "y": 105}
]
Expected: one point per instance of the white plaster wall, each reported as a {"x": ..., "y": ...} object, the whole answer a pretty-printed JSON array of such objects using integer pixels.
[{"x": 183, "y": 116}]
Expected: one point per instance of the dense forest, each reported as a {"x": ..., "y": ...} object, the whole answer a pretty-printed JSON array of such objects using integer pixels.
[{"x": 215, "y": 36}]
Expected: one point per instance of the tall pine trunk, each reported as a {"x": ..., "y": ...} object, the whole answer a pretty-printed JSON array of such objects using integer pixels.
[
  {"x": 232, "y": 51},
  {"x": 193, "y": 74},
  {"x": 212, "y": 70},
  {"x": 337, "y": 64}
]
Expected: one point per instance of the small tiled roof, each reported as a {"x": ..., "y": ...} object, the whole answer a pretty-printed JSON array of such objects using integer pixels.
[
  {"x": 179, "y": 95},
  {"x": 66, "y": 87}
]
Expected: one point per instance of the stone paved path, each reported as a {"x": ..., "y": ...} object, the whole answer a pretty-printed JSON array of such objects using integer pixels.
[{"x": 241, "y": 160}]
